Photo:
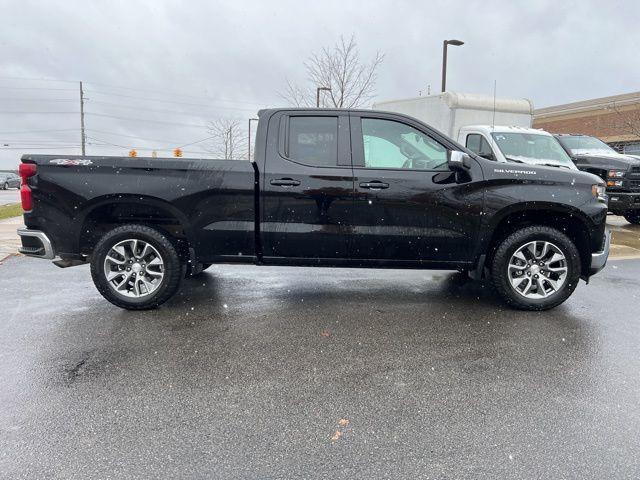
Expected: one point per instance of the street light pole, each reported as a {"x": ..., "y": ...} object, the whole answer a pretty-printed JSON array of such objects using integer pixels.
[
  {"x": 249, "y": 144},
  {"x": 327, "y": 89},
  {"x": 455, "y": 43},
  {"x": 83, "y": 137}
]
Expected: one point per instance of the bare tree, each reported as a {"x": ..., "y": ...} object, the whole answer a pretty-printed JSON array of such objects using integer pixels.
[
  {"x": 229, "y": 139},
  {"x": 339, "y": 68},
  {"x": 627, "y": 120}
]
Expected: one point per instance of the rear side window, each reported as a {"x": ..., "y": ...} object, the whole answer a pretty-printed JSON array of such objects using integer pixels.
[{"x": 313, "y": 140}]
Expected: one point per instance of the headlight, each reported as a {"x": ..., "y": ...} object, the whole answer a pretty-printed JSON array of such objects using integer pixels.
[
  {"x": 598, "y": 191},
  {"x": 616, "y": 173}
]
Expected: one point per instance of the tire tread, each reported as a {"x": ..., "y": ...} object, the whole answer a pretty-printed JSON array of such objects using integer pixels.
[
  {"x": 173, "y": 269},
  {"x": 501, "y": 283}
]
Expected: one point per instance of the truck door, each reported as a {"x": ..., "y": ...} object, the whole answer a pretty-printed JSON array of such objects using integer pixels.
[
  {"x": 307, "y": 188},
  {"x": 409, "y": 206}
]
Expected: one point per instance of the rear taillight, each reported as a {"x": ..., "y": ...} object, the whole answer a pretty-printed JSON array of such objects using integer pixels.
[{"x": 26, "y": 170}]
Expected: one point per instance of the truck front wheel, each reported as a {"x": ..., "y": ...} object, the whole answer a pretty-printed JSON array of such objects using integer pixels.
[
  {"x": 136, "y": 267},
  {"x": 633, "y": 217},
  {"x": 536, "y": 268}
]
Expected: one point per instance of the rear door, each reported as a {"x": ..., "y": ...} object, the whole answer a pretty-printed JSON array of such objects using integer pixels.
[
  {"x": 409, "y": 207},
  {"x": 307, "y": 188}
]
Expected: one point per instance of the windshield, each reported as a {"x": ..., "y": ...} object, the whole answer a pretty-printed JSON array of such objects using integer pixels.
[
  {"x": 530, "y": 146},
  {"x": 580, "y": 144}
]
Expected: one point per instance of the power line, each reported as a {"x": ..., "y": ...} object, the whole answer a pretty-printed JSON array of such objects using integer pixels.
[
  {"x": 37, "y": 88},
  {"x": 36, "y": 113},
  {"x": 136, "y": 147},
  {"x": 159, "y": 92},
  {"x": 197, "y": 141},
  {"x": 33, "y": 142},
  {"x": 108, "y": 143},
  {"x": 37, "y": 99},
  {"x": 131, "y": 136},
  {"x": 174, "y": 94},
  {"x": 171, "y": 101},
  {"x": 39, "y": 148},
  {"x": 96, "y": 102},
  {"x": 37, "y": 79},
  {"x": 39, "y": 131},
  {"x": 165, "y": 147},
  {"x": 193, "y": 125}
]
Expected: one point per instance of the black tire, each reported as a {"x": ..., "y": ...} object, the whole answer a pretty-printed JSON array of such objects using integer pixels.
[
  {"x": 5, "y": 186},
  {"x": 508, "y": 247},
  {"x": 173, "y": 267},
  {"x": 633, "y": 217}
]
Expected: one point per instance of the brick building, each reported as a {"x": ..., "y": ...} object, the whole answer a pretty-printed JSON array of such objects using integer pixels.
[{"x": 615, "y": 120}]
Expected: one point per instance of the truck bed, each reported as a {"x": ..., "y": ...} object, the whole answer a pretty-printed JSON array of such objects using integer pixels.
[{"x": 213, "y": 197}]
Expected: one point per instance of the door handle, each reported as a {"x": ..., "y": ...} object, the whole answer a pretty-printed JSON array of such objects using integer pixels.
[
  {"x": 285, "y": 182},
  {"x": 375, "y": 185}
]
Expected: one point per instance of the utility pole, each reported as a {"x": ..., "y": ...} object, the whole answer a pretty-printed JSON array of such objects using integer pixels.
[{"x": 82, "y": 135}]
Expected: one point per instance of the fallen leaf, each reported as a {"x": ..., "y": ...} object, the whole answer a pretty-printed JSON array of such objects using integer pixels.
[
  {"x": 343, "y": 422},
  {"x": 336, "y": 436},
  {"x": 325, "y": 333}
]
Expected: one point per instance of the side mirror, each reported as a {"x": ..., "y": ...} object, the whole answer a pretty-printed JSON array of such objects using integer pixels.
[{"x": 458, "y": 160}]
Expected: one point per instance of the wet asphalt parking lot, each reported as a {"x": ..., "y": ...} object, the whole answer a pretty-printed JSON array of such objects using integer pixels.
[
  {"x": 9, "y": 196},
  {"x": 256, "y": 372}
]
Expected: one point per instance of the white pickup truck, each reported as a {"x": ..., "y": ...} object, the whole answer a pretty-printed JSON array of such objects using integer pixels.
[{"x": 474, "y": 121}]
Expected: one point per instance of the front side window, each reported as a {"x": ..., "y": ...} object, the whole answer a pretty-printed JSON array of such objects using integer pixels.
[
  {"x": 391, "y": 144},
  {"x": 314, "y": 140}
]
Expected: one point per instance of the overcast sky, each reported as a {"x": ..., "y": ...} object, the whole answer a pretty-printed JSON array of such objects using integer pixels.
[{"x": 196, "y": 61}]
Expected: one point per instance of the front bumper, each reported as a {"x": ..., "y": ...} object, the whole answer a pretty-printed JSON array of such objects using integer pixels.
[
  {"x": 623, "y": 202},
  {"x": 599, "y": 259},
  {"x": 35, "y": 244}
]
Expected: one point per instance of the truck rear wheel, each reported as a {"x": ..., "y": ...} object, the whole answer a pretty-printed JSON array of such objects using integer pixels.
[
  {"x": 633, "y": 217},
  {"x": 536, "y": 268},
  {"x": 136, "y": 267}
]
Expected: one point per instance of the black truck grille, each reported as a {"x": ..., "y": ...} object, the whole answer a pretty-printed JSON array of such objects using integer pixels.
[{"x": 634, "y": 173}]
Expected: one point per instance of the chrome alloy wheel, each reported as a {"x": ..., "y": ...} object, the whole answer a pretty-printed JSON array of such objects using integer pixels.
[
  {"x": 134, "y": 268},
  {"x": 537, "y": 269}
]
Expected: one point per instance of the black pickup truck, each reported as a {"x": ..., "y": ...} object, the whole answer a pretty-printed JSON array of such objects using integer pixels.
[
  {"x": 620, "y": 172},
  {"x": 355, "y": 188}
]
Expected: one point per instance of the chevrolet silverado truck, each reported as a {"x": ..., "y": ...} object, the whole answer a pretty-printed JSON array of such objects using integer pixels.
[
  {"x": 335, "y": 188},
  {"x": 620, "y": 172}
]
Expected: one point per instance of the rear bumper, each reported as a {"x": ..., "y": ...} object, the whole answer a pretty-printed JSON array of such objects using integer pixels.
[
  {"x": 35, "y": 244},
  {"x": 599, "y": 259},
  {"x": 623, "y": 202}
]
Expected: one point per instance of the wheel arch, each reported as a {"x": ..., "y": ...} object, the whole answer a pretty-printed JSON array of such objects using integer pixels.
[
  {"x": 109, "y": 211},
  {"x": 565, "y": 218}
]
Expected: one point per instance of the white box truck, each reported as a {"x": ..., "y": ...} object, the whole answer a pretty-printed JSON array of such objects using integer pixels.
[
  {"x": 497, "y": 129},
  {"x": 449, "y": 111}
]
